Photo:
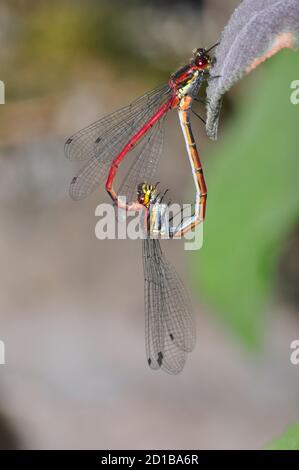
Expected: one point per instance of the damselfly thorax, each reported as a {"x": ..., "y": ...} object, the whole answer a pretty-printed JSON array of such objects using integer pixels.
[
  {"x": 156, "y": 220},
  {"x": 191, "y": 87},
  {"x": 160, "y": 220}
]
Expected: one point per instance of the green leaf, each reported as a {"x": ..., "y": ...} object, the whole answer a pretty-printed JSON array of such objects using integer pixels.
[
  {"x": 253, "y": 201},
  {"x": 288, "y": 441}
]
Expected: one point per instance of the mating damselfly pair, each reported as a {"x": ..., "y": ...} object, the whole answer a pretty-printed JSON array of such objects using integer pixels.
[{"x": 170, "y": 326}]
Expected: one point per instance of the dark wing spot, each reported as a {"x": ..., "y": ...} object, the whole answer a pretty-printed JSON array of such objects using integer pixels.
[
  {"x": 171, "y": 336},
  {"x": 149, "y": 361},
  {"x": 97, "y": 140},
  {"x": 160, "y": 359},
  {"x": 74, "y": 180},
  {"x": 69, "y": 140}
]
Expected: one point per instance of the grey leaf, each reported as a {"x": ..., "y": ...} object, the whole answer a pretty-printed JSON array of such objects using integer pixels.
[{"x": 257, "y": 30}]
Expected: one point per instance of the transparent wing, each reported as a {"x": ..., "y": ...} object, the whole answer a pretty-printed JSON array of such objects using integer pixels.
[
  {"x": 170, "y": 326},
  {"x": 103, "y": 140},
  {"x": 83, "y": 144},
  {"x": 144, "y": 167}
]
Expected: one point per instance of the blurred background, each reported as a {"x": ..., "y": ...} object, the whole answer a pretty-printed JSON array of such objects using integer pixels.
[{"x": 71, "y": 307}]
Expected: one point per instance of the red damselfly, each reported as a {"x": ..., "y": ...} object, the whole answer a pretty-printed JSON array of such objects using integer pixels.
[{"x": 106, "y": 142}]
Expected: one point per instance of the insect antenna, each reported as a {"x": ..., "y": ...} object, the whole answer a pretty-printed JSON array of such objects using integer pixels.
[{"x": 213, "y": 47}]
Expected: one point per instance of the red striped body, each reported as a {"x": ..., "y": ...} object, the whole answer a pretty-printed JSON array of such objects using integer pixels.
[
  {"x": 171, "y": 103},
  {"x": 183, "y": 83}
]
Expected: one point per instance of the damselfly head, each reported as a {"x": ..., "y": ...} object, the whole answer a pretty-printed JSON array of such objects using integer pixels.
[
  {"x": 146, "y": 193},
  {"x": 202, "y": 59}
]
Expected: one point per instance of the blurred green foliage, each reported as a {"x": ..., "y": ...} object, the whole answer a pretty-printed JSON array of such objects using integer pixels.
[
  {"x": 288, "y": 441},
  {"x": 51, "y": 42},
  {"x": 253, "y": 201}
]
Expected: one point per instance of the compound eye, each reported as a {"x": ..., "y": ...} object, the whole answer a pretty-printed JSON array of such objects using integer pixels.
[
  {"x": 202, "y": 62},
  {"x": 140, "y": 198}
]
